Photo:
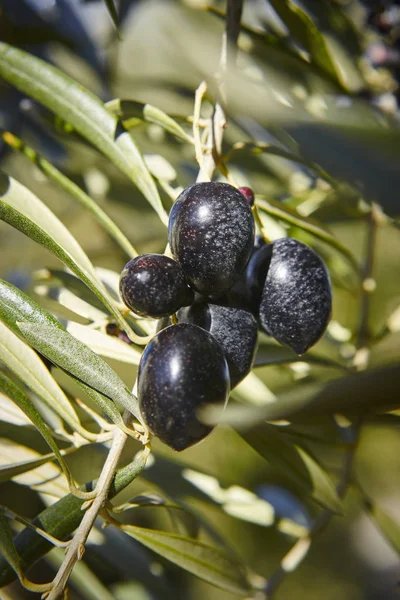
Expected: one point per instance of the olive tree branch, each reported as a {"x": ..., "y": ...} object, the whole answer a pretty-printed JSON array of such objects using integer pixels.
[{"x": 76, "y": 546}]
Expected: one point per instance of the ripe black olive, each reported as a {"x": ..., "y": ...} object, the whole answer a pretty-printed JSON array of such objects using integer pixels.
[
  {"x": 153, "y": 285},
  {"x": 247, "y": 290},
  {"x": 181, "y": 370},
  {"x": 296, "y": 299},
  {"x": 211, "y": 234},
  {"x": 235, "y": 330}
]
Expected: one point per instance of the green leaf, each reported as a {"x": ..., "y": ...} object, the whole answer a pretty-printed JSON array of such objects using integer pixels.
[
  {"x": 14, "y": 469},
  {"x": 84, "y": 111},
  {"x": 271, "y": 354},
  {"x": 296, "y": 464},
  {"x": 61, "y": 519},
  {"x": 69, "y": 186},
  {"x": 26, "y": 364},
  {"x": 285, "y": 214},
  {"x": 17, "y": 307},
  {"x": 130, "y": 111},
  {"x": 324, "y": 50},
  {"x": 24, "y": 211},
  {"x": 105, "y": 345},
  {"x": 7, "y": 547},
  {"x": 26, "y": 405},
  {"x": 385, "y": 523},
  {"x": 76, "y": 358},
  {"x": 206, "y": 562}
]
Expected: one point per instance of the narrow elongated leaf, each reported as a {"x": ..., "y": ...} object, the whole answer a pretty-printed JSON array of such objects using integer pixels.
[
  {"x": 277, "y": 210},
  {"x": 45, "y": 477},
  {"x": 24, "y": 211},
  {"x": 76, "y": 358},
  {"x": 69, "y": 186},
  {"x": 269, "y": 354},
  {"x": 83, "y": 110},
  {"x": 206, "y": 562},
  {"x": 105, "y": 345},
  {"x": 61, "y": 519},
  {"x": 10, "y": 413},
  {"x": 385, "y": 523},
  {"x": 322, "y": 48},
  {"x": 131, "y": 111},
  {"x": 26, "y": 364},
  {"x": 16, "y": 307},
  {"x": 11, "y": 470},
  {"x": 7, "y": 547},
  {"x": 23, "y": 402},
  {"x": 295, "y": 463}
]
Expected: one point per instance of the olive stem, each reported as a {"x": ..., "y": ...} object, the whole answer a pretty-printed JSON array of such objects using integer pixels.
[{"x": 76, "y": 547}]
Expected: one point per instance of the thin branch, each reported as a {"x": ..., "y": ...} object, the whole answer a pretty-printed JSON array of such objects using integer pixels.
[{"x": 76, "y": 547}]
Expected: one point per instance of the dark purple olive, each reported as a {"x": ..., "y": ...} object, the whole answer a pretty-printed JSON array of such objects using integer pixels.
[
  {"x": 211, "y": 234},
  {"x": 296, "y": 300},
  {"x": 153, "y": 285},
  {"x": 235, "y": 330},
  {"x": 181, "y": 370},
  {"x": 246, "y": 292}
]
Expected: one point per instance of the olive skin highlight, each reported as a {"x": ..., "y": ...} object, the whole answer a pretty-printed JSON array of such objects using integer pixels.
[
  {"x": 211, "y": 235},
  {"x": 181, "y": 370},
  {"x": 153, "y": 285}
]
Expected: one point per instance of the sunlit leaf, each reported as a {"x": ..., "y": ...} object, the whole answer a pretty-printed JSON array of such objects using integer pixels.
[
  {"x": 25, "y": 404},
  {"x": 83, "y": 111},
  {"x": 105, "y": 345},
  {"x": 69, "y": 186},
  {"x": 131, "y": 111},
  {"x": 24, "y": 211},
  {"x": 45, "y": 477},
  {"x": 27, "y": 365},
  {"x": 16, "y": 307},
  {"x": 76, "y": 358},
  {"x": 206, "y": 562}
]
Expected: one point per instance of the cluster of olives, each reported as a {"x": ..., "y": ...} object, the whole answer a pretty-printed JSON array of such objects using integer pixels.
[{"x": 221, "y": 285}]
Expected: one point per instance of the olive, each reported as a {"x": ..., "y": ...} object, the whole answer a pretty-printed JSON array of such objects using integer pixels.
[
  {"x": 296, "y": 299},
  {"x": 234, "y": 329},
  {"x": 211, "y": 234},
  {"x": 153, "y": 285},
  {"x": 181, "y": 370}
]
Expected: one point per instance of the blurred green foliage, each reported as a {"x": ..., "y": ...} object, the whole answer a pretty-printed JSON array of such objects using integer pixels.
[{"x": 313, "y": 128}]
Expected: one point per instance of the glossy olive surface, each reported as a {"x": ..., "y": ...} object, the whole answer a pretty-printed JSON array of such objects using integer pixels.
[
  {"x": 296, "y": 299},
  {"x": 153, "y": 285},
  {"x": 246, "y": 292},
  {"x": 211, "y": 234},
  {"x": 235, "y": 330},
  {"x": 182, "y": 369}
]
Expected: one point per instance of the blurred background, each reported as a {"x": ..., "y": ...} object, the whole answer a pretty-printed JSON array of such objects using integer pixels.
[{"x": 325, "y": 91}]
